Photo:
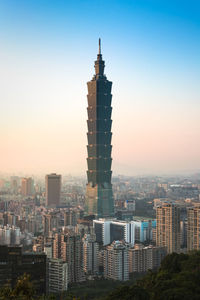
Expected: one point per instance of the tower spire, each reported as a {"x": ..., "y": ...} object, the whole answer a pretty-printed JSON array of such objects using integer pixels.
[{"x": 99, "y": 46}]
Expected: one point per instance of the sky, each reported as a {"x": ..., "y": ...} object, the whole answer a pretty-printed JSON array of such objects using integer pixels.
[{"x": 152, "y": 54}]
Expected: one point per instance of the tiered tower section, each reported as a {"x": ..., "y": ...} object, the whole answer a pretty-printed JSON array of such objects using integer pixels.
[{"x": 99, "y": 196}]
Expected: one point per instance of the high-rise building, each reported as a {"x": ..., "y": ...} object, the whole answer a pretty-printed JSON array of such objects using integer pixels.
[
  {"x": 99, "y": 195},
  {"x": 168, "y": 227},
  {"x": 50, "y": 222},
  {"x": 10, "y": 235},
  {"x": 122, "y": 231},
  {"x": 90, "y": 254},
  {"x": 144, "y": 230},
  {"x": 107, "y": 231},
  {"x": 71, "y": 252},
  {"x": 48, "y": 250},
  {"x": 53, "y": 189},
  {"x": 193, "y": 228},
  {"x": 142, "y": 259},
  {"x": 70, "y": 217},
  {"x": 27, "y": 186},
  {"x": 116, "y": 265},
  {"x": 57, "y": 276},
  {"x": 57, "y": 246},
  {"x": 102, "y": 231}
]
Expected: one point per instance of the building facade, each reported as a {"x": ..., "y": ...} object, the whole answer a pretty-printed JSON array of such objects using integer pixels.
[
  {"x": 122, "y": 231},
  {"x": 102, "y": 231},
  {"x": 53, "y": 189},
  {"x": 10, "y": 235},
  {"x": 50, "y": 222},
  {"x": 57, "y": 276},
  {"x": 99, "y": 195},
  {"x": 142, "y": 259},
  {"x": 193, "y": 228},
  {"x": 90, "y": 254},
  {"x": 168, "y": 227},
  {"x": 116, "y": 261},
  {"x": 144, "y": 230},
  {"x": 71, "y": 217},
  {"x": 72, "y": 253},
  {"x": 27, "y": 186}
]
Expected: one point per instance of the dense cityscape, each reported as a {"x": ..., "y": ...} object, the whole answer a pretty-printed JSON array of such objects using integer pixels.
[
  {"x": 43, "y": 223},
  {"x": 103, "y": 235}
]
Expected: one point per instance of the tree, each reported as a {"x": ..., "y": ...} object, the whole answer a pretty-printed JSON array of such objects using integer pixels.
[{"x": 23, "y": 290}]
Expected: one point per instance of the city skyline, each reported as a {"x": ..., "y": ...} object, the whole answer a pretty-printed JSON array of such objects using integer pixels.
[{"x": 152, "y": 55}]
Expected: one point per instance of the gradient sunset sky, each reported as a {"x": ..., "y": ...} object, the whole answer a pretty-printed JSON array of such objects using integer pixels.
[{"x": 152, "y": 55}]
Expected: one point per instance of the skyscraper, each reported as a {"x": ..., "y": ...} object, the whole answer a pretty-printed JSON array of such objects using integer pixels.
[
  {"x": 27, "y": 186},
  {"x": 99, "y": 195},
  {"x": 53, "y": 189},
  {"x": 193, "y": 228},
  {"x": 168, "y": 227}
]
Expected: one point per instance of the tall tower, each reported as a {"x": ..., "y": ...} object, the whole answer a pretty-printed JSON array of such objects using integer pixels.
[{"x": 99, "y": 196}]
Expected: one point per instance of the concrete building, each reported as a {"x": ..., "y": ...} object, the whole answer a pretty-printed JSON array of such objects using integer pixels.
[
  {"x": 50, "y": 223},
  {"x": 72, "y": 253},
  {"x": 193, "y": 228},
  {"x": 168, "y": 227},
  {"x": 116, "y": 264},
  {"x": 102, "y": 231},
  {"x": 53, "y": 189},
  {"x": 144, "y": 230},
  {"x": 57, "y": 245},
  {"x": 142, "y": 259},
  {"x": 10, "y": 235},
  {"x": 99, "y": 195},
  {"x": 90, "y": 254},
  {"x": 27, "y": 186},
  {"x": 70, "y": 217},
  {"x": 107, "y": 231},
  {"x": 122, "y": 231},
  {"x": 48, "y": 251},
  {"x": 57, "y": 276}
]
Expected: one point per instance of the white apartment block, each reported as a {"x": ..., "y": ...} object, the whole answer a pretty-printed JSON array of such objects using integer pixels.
[
  {"x": 57, "y": 276},
  {"x": 116, "y": 262}
]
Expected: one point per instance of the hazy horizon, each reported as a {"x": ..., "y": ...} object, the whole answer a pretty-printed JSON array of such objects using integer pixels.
[{"x": 151, "y": 51}]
